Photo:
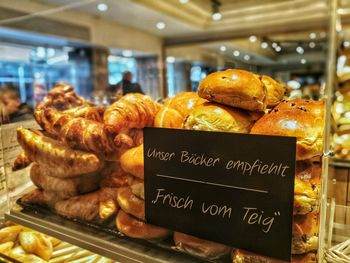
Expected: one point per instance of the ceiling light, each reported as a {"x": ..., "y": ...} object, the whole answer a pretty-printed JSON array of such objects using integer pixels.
[
  {"x": 346, "y": 43},
  {"x": 222, "y": 48},
  {"x": 264, "y": 45},
  {"x": 278, "y": 49},
  {"x": 274, "y": 45},
  {"x": 236, "y": 53},
  {"x": 312, "y": 44},
  {"x": 216, "y": 16},
  {"x": 246, "y": 57},
  {"x": 252, "y": 38},
  {"x": 183, "y": 1},
  {"x": 127, "y": 53},
  {"x": 303, "y": 61},
  {"x": 300, "y": 50},
  {"x": 160, "y": 25},
  {"x": 312, "y": 35},
  {"x": 102, "y": 7},
  {"x": 170, "y": 59}
]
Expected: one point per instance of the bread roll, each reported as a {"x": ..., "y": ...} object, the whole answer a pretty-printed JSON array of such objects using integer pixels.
[
  {"x": 317, "y": 108},
  {"x": 200, "y": 247},
  {"x": 135, "y": 228},
  {"x": 138, "y": 188},
  {"x": 130, "y": 203},
  {"x": 305, "y": 233},
  {"x": 306, "y": 187},
  {"x": 275, "y": 91},
  {"x": 215, "y": 117},
  {"x": 175, "y": 109},
  {"x": 297, "y": 122},
  {"x": 132, "y": 161},
  {"x": 236, "y": 88}
]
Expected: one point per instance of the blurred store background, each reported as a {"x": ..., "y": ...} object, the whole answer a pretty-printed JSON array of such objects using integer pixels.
[{"x": 168, "y": 46}]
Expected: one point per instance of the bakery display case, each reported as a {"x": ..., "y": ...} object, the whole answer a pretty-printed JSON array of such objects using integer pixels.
[{"x": 83, "y": 170}]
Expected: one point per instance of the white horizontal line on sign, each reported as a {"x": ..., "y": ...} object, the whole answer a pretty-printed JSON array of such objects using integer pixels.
[{"x": 210, "y": 183}]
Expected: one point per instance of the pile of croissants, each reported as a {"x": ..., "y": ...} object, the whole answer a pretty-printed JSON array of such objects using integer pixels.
[{"x": 87, "y": 161}]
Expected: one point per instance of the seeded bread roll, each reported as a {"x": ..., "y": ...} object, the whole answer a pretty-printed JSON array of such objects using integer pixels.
[
  {"x": 305, "y": 233},
  {"x": 306, "y": 187},
  {"x": 216, "y": 117},
  {"x": 300, "y": 122},
  {"x": 236, "y": 88},
  {"x": 200, "y": 247}
]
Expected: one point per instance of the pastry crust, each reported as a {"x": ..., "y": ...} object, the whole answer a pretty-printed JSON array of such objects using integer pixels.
[
  {"x": 132, "y": 161},
  {"x": 236, "y": 88},
  {"x": 215, "y": 117},
  {"x": 130, "y": 203},
  {"x": 275, "y": 91}
]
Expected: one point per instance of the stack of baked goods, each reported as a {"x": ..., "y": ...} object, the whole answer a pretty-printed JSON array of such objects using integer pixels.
[
  {"x": 88, "y": 161},
  {"x": 75, "y": 158},
  {"x": 28, "y": 246}
]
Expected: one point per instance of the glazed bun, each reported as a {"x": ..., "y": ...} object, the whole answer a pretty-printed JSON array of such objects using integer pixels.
[
  {"x": 215, "y": 117},
  {"x": 130, "y": 203},
  {"x": 131, "y": 161},
  {"x": 316, "y": 108},
  {"x": 306, "y": 187},
  {"x": 297, "y": 122},
  {"x": 236, "y": 88},
  {"x": 305, "y": 233},
  {"x": 200, "y": 247},
  {"x": 175, "y": 109},
  {"x": 135, "y": 228},
  {"x": 275, "y": 91}
]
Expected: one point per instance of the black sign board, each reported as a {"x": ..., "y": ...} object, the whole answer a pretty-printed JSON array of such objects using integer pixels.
[{"x": 235, "y": 189}]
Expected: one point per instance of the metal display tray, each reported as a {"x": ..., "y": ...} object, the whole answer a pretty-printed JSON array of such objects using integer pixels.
[{"x": 103, "y": 240}]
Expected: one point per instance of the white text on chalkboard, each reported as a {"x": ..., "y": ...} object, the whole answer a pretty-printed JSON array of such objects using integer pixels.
[
  {"x": 257, "y": 167},
  {"x": 253, "y": 216}
]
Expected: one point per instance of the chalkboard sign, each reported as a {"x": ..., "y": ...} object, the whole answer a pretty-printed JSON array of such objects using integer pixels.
[{"x": 235, "y": 189}]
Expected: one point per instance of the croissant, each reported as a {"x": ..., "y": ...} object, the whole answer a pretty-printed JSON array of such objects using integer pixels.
[
  {"x": 21, "y": 161},
  {"x": 87, "y": 112},
  {"x": 36, "y": 243},
  {"x": 131, "y": 111},
  {"x": 80, "y": 133}
]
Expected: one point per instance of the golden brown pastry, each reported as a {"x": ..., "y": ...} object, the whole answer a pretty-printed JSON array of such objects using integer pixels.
[
  {"x": 86, "y": 112},
  {"x": 5, "y": 248},
  {"x": 138, "y": 188},
  {"x": 80, "y": 133},
  {"x": 200, "y": 247},
  {"x": 21, "y": 161},
  {"x": 36, "y": 243},
  {"x": 10, "y": 233},
  {"x": 108, "y": 205},
  {"x": 305, "y": 233},
  {"x": 168, "y": 118},
  {"x": 71, "y": 186},
  {"x": 130, "y": 203},
  {"x": 236, "y": 88},
  {"x": 21, "y": 255},
  {"x": 114, "y": 176},
  {"x": 175, "y": 109},
  {"x": 133, "y": 110},
  {"x": 61, "y": 97},
  {"x": 297, "y": 122},
  {"x": 132, "y": 161},
  {"x": 43, "y": 198},
  {"x": 241, "y": 256},
  {"x": 56, "y": 157},
  {"x": 317, "y": 108},
  {"x": 83, "y": 207},
  {"x": 275, "y": 91},
  {"x": 306, "y": 187},
  {"x": 135, "y": 228},
  {"x": 215, "y": 117}
]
